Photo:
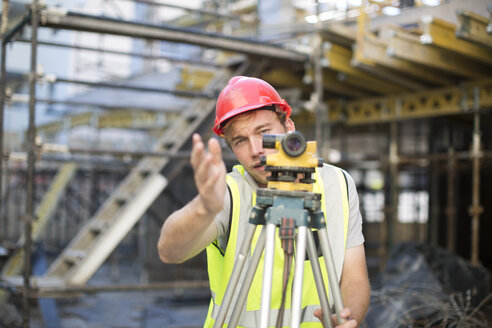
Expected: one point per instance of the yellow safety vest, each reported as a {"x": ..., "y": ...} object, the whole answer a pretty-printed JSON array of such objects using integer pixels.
[{"x": 220, "y": 264}]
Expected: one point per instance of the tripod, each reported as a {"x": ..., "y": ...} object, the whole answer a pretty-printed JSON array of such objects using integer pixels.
[{"x": 272, "y": 207}]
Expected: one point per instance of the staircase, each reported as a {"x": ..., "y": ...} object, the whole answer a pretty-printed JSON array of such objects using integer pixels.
[{"x": 135, "y": 194}]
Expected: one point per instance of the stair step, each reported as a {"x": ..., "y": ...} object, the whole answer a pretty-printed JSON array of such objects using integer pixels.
[{"x": 73, "y": 255}]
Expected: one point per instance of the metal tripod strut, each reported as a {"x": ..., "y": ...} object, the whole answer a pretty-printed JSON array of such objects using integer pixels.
[{"x": 271, "y": 206}]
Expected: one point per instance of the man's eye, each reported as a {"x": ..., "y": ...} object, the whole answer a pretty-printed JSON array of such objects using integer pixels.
[
  {"x": 264, "y": 131},
  {"x": 239, "y": 141}
]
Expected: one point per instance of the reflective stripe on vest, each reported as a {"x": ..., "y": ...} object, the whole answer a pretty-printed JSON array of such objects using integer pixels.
[{"x": 220, "y": 266}]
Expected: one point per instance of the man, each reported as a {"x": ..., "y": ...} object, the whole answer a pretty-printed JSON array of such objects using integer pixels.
[{"x": 217, "y": 217}]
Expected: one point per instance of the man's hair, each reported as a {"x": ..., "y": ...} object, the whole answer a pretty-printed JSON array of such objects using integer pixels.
[{"x": 281, "y": 116}]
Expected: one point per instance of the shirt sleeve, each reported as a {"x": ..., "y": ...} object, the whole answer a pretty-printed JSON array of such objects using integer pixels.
[{"x": 354, "y": 231}]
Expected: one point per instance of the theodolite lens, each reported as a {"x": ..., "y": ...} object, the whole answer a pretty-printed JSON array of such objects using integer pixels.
[{"x": 294, "y": 144}]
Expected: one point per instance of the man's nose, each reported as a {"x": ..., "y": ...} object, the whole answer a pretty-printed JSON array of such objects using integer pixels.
[{"x": 257, "y": 146}]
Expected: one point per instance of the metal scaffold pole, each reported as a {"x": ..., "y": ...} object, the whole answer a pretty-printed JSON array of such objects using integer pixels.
[
  {"x": 392, "y": 217},
  {"x": 3, "y": 81},
  {"x": 451, "y": 199},
  {"x": 6, "y": 37},
  {"x": 476, "y": 209},
  {"x": 30, "y": 166},
  {"x": 319, "y": 107}
]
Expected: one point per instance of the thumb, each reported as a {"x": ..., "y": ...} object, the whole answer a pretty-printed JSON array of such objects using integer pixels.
[{"x": 318, "y": 313}]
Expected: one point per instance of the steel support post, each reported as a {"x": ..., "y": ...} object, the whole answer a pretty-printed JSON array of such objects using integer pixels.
[
  {"x": 3, "y": 80},
  {"x": 383, "y": 226},
  {"x": 319, "y": 108},
  {"x": 451, "y": 207},
  {"x": 392, "y": 218},
  {"x": 476, "y": 209},
  {"x": 31, "y": 141},
  {"x": 434, "y": 210},
  {"x": 3, "y": 85}
]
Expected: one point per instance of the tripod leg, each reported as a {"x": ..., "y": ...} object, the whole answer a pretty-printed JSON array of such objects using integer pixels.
[
  {"x": 318, "y": 278},
  {"x": 266, "y": 289},
  {"x": 248, "y": 279},
  {"x": 298, "y": 276},
  {"x": 236, "y": 273},
  {"x": 332, "y": 274}
]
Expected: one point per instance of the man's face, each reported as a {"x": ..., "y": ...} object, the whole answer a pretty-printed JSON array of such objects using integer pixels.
[{"x": 246, "y": 139}]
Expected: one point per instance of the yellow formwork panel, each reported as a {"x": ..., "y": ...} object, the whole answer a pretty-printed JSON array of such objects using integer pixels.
[
  {"x": 407, "y": 46},
  {"x": 339, "y": 58},
  {"x": 339, "y": 33},
  {"x": 336, "y": 114},
  {"x": 282, "y": 77},
  {"x": 115, "y": 119},
  {"x": 369, "y": 48},
  {"x": 81, "y": 119},
  {"x": 50, "y": 128},
  {"x": 336, "y": 82},
  {"x": 332, "y": 82},
  {"x": 473, "y": 27},
  {"x": 443, "y": 101},
  {"x": 443, "y": 34},
  {"x": 194, "y": 79}
]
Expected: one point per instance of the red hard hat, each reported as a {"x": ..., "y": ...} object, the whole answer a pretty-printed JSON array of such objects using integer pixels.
[{"x": 243, "y": 94}]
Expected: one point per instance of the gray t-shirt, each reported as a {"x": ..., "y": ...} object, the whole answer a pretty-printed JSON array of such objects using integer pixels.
[{"x": 354, "y": 233}]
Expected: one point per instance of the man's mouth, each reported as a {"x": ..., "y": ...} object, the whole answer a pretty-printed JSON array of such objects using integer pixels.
[{"x": 259, "y": 166}]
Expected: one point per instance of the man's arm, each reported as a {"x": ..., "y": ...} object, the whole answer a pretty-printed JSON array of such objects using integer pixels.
[
  {"x": 189, "y": 230},
  {"x": 355, "y": 286}
]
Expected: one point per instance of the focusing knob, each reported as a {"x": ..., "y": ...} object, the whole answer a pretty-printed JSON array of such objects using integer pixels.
[
  {"x": 269, "y": 140},
  {"x": 263, "y": 160}
]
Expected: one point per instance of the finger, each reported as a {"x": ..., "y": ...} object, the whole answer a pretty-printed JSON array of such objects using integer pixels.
[
  {"x": 346, "y": 313},
  {"x": 215, "y": 150},
  {"x": 203, "y": 170},
  {"x": 197, "y": 151},
  {"x": 211, "y": 180}
]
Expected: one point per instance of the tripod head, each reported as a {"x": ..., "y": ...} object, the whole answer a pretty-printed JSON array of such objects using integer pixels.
[{"x": 295, "y": 156}]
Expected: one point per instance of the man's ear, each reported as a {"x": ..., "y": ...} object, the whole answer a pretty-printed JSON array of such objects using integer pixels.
[{"x": 289, "y": 124}]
